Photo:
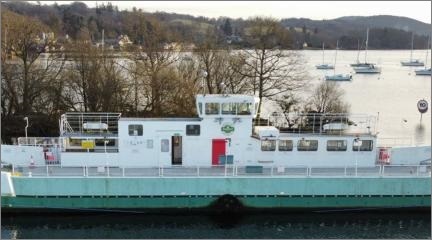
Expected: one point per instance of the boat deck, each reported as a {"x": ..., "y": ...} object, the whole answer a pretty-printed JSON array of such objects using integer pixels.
[{"x": 225, "y": 171}]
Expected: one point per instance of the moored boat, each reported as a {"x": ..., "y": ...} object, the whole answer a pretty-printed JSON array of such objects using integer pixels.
[
  {"x": 426, "y": 71},
  {"x": 412, "y": 62},
  {"x": 423, "y": 72},
  {"x": 368, "y": 69},
  {"x": 338, "y": 77},
  {"x": 365, "y": 67},
  {"x": 323, "y": 65}
]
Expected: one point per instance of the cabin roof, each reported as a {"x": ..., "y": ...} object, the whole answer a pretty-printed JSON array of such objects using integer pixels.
[
  {"x": 284, "y": 134},
  {"x": 125, "y": 119},
  {"x": 230, "y": 97}
]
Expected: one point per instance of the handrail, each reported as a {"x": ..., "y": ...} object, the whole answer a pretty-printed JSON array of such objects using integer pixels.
[{"x": 225, "y": 171}]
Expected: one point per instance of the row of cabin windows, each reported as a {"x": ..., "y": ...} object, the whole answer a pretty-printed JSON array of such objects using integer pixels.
[
  {"x": 312, "y": 145},
  {"x": 226, "y": 108},
  {"x": 137, "y": 130}
]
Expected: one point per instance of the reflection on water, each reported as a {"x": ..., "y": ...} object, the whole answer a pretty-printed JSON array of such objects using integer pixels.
[
  {"x": 420, "y": 133},
  {"x": 287, "y": 225}
]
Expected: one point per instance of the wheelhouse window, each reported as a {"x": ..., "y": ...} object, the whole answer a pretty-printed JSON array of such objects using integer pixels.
[
  {"x": 307, "y": 145},
  {"x": 229, "y": 108},
  {"x": 336, "y": 145},
  {"x": 268, "y": 145},
  {"x": 285, "y": 145},
  {"x": 135, "y": 130},
  {"x": 244, "y": 108},
  {"x": 164, "y": 145},
  {"x": 366, "y": 145},
  {"x": 212, "y": 108},
  {"x": 193, "y": 130}
]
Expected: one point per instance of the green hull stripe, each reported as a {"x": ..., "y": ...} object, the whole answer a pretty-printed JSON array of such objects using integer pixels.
[
  {"x": 201, "y": 202},
  {"x": 33, "y": 186}
]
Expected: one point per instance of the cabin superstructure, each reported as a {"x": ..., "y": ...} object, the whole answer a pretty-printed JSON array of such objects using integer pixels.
[{"x": 222, "y": 133}]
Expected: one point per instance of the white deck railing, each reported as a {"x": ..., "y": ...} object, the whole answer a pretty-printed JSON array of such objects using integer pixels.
[{"x": 224, "y": 171}]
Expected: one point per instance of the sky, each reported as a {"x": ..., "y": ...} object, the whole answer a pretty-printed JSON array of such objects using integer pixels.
[{"x": 317, "y": 10}]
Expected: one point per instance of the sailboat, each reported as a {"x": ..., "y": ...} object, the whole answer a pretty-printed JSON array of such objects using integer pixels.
[
  {"x": 358, "y": 63},
  {"x": 426, "y": 71},
  {"x": 338, "y": 77},
  {"x": 324, "y": 65},
  {"x": 412, "y": 62},
  {"x": 367, "y": 67}
]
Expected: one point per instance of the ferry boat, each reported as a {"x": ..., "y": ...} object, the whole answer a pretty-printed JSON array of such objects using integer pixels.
[{"x": 221, "y": 159}]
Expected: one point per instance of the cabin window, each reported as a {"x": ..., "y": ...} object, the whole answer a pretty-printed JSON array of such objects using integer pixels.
[
  {"x": 268, "y": 145},
  {"x": 228, "y": 108},
  {"x": 193, "y": 130},
  {"x": 336, "y": 145},
  {"x": 135, "y": 130},
  {"x": 307, "y": 145},
  {"x": 366, "y": 145},
  {"x": 244, "y": 108},
  {"x": 200, "y": 108},
  {"x": 285, "y": 145},
  {"x": 164, "y": 145},
  {"x": 212, "y": 108}
]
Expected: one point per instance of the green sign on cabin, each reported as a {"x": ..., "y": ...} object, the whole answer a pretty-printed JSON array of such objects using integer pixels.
[{"x": 227, "y": 128}]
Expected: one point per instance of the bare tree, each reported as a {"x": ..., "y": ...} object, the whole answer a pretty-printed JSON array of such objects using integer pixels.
[
  {"x": 289, "y": 103},
  {"x": 29, "y": 81},
  {"x": 272, "y": 70},
  {"x": 222, "y": 67},
  {"x": 25, "y": 78},
  {"x": 151, "y": 59},
  {"x": 328, "y": 98},
  {"x": 95, "y": 80}
]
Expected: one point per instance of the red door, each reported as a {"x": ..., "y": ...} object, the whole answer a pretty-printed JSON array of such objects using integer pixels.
[{"x": 218, "y": 148}]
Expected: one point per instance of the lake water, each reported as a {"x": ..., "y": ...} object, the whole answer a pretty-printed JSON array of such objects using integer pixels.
[
  {"x": 288, "y": 225},
  {"x": 393, "y": 93}
]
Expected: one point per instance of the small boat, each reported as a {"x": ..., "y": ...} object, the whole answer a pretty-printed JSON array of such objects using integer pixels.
[
  {"x": 324, "y": 65},
  {"x": 337, "y": 77},
  {"x": 426, "y": 71},
  {"x": 412, "y": 62},
  {"x": 359, "y": 64},
  {"x": 423, "y": 72},
  {"x": 367, "y": 67}
]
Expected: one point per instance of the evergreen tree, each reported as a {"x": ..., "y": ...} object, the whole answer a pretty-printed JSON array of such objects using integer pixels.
[{"x": 227, "y": 27}]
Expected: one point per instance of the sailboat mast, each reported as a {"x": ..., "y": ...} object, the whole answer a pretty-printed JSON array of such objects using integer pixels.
[
  {"x": 412, "y": 46},
  {"x": 367, "y": 40},
  {"x": 427, "y": 51},
  {"x": 358, "y": 52},
  {"x": 323, "y": 53},
  {"x": 337, "y": 46}
]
